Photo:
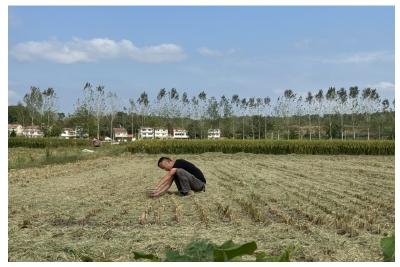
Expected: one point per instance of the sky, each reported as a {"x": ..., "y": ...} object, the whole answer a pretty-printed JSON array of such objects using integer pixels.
[{"x": 249, "y": 51}]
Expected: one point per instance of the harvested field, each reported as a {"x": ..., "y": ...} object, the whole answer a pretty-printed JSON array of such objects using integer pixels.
[{"x": 331, "y": 208}]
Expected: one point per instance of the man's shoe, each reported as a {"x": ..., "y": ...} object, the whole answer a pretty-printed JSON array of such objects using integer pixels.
[{"x": 187, "y": 193}]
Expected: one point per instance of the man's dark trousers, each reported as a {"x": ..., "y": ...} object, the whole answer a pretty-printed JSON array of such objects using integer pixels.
[{"x": 185, "y": 181}]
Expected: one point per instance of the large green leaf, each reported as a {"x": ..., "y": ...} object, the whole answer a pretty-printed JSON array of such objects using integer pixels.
[
  {"x": 173, "y": 256},
  {"x": 140, "y": 255},
  {"x": 200, "y": 250},
  {"x": 229, "y": 250},
  {"x": 387, "y": 245},
  {"x": 284, "y": 257}
]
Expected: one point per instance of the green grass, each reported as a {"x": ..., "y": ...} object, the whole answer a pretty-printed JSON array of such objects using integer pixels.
[
  {"x": 46, "y": 142},
  {"x": 21, "y": 157}
]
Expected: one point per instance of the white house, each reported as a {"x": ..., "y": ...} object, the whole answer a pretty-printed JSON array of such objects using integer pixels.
[
  {"x": 214, "y": 133},
  {"x": 160, "y": 133},
  {"x": 146, "y": 133},
  {"x": 68, "y": 133},
  {"x": 180, "y": 134},
  {"x": 32, "y": 131},
  {"x": 120, "y": 134},
  {"x": 17, "y": 128}
]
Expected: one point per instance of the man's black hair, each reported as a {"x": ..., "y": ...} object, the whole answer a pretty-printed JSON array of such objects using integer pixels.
[{"x": 161, "y": 159}]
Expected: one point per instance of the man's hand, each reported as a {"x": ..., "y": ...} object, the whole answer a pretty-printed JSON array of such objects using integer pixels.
[
  {"x": 152, "y": 192},
  {"x": 162, "y": 186}
]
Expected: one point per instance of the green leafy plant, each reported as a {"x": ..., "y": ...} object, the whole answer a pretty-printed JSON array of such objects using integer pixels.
[
  {"x": 46, "y": 142},
  {"x": 387, "y": 245},
  {"x": 204, "y": 250},
  {"x": 327, "y": 147}
]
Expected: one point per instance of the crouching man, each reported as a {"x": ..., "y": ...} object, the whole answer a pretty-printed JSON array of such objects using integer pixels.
[{"x": 186, "y": 176}]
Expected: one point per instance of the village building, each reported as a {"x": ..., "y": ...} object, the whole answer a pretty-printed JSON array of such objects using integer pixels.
[
  {"x": 33, "y": 131},
  {"x": 146, "y": 133},
  {"x": 17, "y": 128},
  {"x": 120, "y": 134},
  {"x": 160, "y": 133},
  {"x": 179, "y": 133},
  {"x": 68, "y": 133},
  {"x": 214, "y": 133}
]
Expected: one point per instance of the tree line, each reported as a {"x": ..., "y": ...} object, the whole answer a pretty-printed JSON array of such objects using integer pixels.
[{"x": 342, "y": 113}]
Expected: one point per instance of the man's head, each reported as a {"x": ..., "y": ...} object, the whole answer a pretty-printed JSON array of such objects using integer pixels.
[{"x": 165, "y": 163}]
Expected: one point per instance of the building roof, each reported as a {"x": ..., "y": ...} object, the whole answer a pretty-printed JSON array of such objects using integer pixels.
[
  {"x": 37, "y": 127},
  {"x": 120, "y": 130},
  {"x": 13, "y": 125}
]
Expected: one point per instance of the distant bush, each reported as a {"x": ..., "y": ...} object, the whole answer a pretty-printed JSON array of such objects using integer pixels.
[{"x": 330, "y": 147}]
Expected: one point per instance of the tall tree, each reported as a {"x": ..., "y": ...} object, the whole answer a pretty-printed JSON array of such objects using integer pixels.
[
  {"x": 280, "y": 111},
  {"x": 267, "y": 110},
  {"x": 203, "y": 104},
  {"x": 385, "y": 109},
  {"x": 162, "y": 112},
  {"x": 174, "y": 98},
  {"x": 132, "y": 111},
  {"x": 353, "y": 95},
  {"x": 48, "y": 107},
  {"x": 370, "y": 100},
  {"x": 34, "y": 102},
  {"x": 185, "y": 108},
  {"x": 112, "y": 104},
  {"x": 225, "y": 108},
  {"x": 342, "y": 103},
  {"x": 259, "y": 107},
  {"x": 143, "y": 102},
  {"x": 243, "y": 109},
  {"x": 330, "y": 97},
  {"x": 299, "y": 113},
  {"x": 88, "y": 104},
  {"x": 235, "y": 102},
  {"x": 213, "y": 110},
  {"x": 289, "y": 97},
  {"x": 99, "y": 104},
  {"x": 251, "y": 108},
  {"x": 319, "y": 97},
  {"x": 309, "y": 100},
  {"x": 195, "y": 113}
]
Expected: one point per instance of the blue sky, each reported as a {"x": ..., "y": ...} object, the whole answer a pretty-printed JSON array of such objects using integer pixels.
[{"x": 250, "y": 51}]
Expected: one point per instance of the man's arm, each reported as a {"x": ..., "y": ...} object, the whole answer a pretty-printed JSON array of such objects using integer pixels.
[
  {"x": 164, "y": 187},
  {"x": 164, "y": 184}
]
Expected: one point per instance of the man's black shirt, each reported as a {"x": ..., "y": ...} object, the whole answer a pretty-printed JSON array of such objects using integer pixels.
[{"x": 189, "y": 167}]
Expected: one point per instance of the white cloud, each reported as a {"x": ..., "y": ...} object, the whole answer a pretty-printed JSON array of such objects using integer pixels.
[
  {"x": 364, "y": 57},
  {"x": 205, "y": 51},
  {"x": 96, "y": 49}
]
